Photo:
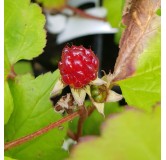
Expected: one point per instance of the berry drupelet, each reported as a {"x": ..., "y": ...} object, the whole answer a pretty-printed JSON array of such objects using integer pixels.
[{"x": 78, "y": 66}]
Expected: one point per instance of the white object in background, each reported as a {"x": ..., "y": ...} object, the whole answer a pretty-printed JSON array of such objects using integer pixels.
[
  {"x": 55, "y": 23},
  {"x": 78, "y": 26},
  {"x": 100, "y": 12},
  {"x": 67, "y": 143}
]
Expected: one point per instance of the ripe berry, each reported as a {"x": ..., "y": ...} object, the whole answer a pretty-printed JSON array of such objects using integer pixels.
[{"x": 78, "y": 66}]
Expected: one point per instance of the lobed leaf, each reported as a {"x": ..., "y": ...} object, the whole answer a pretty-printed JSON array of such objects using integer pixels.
[
  {"x": 24, "y": 33},
  {"x": 131, "y": 135},
  {"x": 51, "y": 3},
  {"x": 23, "y": 67},
  {"x": 33, "y": 111},
  {"x": 7, "y": 66},
  {"x": 8, "y": 100}
]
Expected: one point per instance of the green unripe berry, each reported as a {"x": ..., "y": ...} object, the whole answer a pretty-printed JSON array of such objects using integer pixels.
[{"x": 99, "y": 93}]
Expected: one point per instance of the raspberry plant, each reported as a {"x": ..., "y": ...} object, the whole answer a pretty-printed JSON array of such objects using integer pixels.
[{"x": 33, "y": 130}]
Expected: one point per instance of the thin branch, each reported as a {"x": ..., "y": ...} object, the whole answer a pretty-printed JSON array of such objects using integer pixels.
[
  {"x": 85, "y": 114},
  {"x": 84, "y": 14},
  {"x": 71, "y": 134},
  {"x": 31, "y": 136},
  {"x": 78, "y": 11},
  {"x": 82, "y": 118},
  {"x": 90, "y": 110}
]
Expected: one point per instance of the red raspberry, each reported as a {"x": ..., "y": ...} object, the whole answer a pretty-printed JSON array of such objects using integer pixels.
[{"x": 78, "y": 66}]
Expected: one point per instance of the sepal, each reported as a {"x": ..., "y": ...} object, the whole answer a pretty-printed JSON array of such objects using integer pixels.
[
  {"x": 79, "y": 95},
  {"x": 99, "y": 107},
  {"x": 113, "y": 96},
  {"x": 57, "y": 88},
  {"x": 98, "y": 82}
]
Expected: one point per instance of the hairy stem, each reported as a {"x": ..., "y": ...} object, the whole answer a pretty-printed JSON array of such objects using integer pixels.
[{"x": 31, "y": 136}]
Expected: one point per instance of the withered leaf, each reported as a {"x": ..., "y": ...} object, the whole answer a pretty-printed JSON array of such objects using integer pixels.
[{"x": 142, "y": 23}]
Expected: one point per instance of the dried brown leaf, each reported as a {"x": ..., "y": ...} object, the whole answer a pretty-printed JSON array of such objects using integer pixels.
[{"x": 142, "y": 23}]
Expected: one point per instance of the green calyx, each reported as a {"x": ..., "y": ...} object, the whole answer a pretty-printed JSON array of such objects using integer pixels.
[{"x": 99, "y": 93}]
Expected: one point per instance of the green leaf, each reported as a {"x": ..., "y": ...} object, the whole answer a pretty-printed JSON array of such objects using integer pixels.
[
  {"x": 51, "y": 3},
  {"x": 8, "y": 100},
  {"x": 114, "y": 9},
  {"x": 131, "y": 135},
  {"x": 8, "y": 158},
  {"x": 92, "y": 124},
  {"x": 7, "y": 66},
  {"x": 118, "y": 36},
  {"x": 114, "y": 15},
  {"x": 23, "y": 67},
  {"x": 158, "y": 12},
  {"x": 142, "y": 89},
  {"x": 33, "y": 110},
  {"x": 24, "y": 33}
]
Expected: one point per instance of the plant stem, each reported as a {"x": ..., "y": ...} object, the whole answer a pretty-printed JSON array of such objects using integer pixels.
[
  {"x": 91, "y": 109},
  {"x": 78, "y": 11},
  {"x": 71, "y": 134},
  {"x": 83, "y": 116},
  {"x": 84, "y": 14},
  {"x": 31, "y": 136}
]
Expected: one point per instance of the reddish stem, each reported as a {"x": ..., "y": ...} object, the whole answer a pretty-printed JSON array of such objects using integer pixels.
[
  {"x": 91, "y": 109},
  {"x": 31, "y": 136},
  {"x": 84, "y": 14},
  {"x": 83, "y": 116},
  {"x": 76, "y": 11},
  {"x": 71, "y": 134}
]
